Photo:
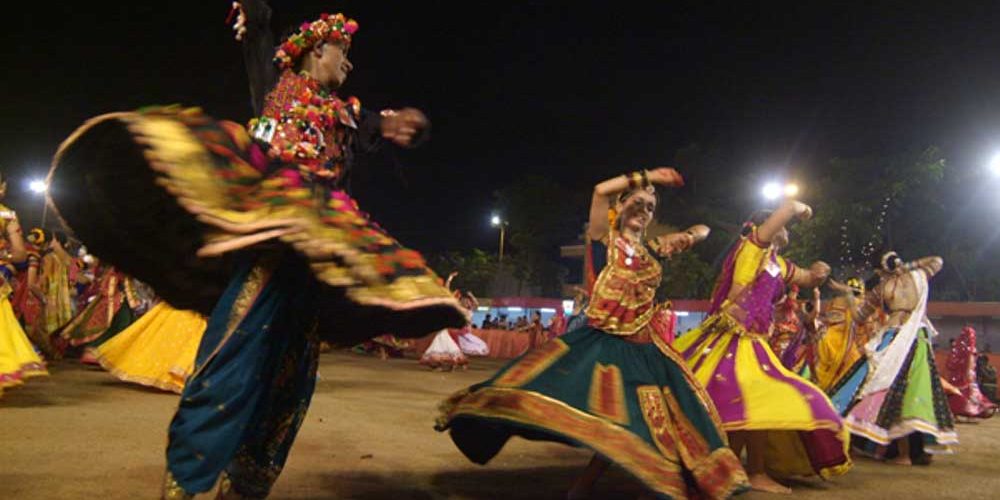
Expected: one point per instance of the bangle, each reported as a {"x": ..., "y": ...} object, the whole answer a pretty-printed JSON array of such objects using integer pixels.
[
  {"x": 388, "y": 112},
  {"x": 645, "y": 178},
  {"x": 632, "y": 181}
]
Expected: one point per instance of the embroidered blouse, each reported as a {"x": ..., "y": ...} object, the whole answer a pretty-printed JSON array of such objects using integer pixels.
[{"x": 622, "y": 301}]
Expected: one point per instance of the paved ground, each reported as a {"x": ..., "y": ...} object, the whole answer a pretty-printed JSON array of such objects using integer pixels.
[{"x": 82, "y": 434}]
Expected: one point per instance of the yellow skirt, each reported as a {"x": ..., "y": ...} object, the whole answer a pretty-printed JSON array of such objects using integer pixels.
[
  {"x": 753, "y": 391},
  {"x": 158, "y": 350},
  {"x": 835, "y": 356},
  {"x": 18, "y": 359}
]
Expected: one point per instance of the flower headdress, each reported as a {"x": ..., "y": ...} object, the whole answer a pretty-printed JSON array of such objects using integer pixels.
[
  {"x": 37, "y": 237},
  {"x": 887, "y": 259},
  {"x": 328, "y": 28},
  {"x": 857, "y": 285}
]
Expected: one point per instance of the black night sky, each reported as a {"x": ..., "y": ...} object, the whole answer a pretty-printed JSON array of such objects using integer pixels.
[{"x": 568, "y": 90}]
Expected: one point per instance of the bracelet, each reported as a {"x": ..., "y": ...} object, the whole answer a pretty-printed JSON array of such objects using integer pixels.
[
  {"x": 633, "y": 183},
  {"x": 388, "y": 112},
  {"x": 645, "y": 177}
]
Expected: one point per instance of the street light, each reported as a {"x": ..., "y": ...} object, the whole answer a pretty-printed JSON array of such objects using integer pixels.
[
  {"x": 773, "y": 190},
  {"x": 496, "y": 221},
  {"x": 39, "y": 186},
  {"x": 995, "y": 165}
]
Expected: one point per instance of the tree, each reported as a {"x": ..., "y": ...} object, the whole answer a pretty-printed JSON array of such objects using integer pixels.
[
  {"x": 543, "y": 215},
  {"x": 476, "y": 269}
]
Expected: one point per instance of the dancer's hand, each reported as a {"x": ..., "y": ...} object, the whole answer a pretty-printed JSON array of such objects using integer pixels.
[
  {"x": 802, "y": 211},
  {"x": 239, "y": 27},
  {"x": 820, "y": 270},
  {"x": 665, "y": 176},
  {"x": 403, "y": 126}
]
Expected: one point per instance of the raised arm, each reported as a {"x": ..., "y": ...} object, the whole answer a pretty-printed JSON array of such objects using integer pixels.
[
  {"x": 817, "y": 306},
  {"x": 12, "y": 229},
  {"x": 475, "y": 301},
  {"x": 605, "y": 191},
  {"x": 788, "y": 210},
  {"x": 930, "y": 265},
  {"x": 253, "y": 29}
]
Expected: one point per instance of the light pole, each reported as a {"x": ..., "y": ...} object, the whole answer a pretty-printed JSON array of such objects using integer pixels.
[
  {"x": 38, "y": 186},
  {"x": 496, "y": 221}
]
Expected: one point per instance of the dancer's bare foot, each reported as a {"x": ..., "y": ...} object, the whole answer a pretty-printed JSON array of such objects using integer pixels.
[
  {"x": 763, "y": 482},
  {"x": 901, "y": 460}
]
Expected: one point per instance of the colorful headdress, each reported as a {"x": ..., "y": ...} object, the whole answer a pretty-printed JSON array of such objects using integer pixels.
[
  {"x": 328, "y": 28},
  {"x": 856, "y": 285},
  {"x": 887, "y": 259},
  {"x": 37, "y": 236}
]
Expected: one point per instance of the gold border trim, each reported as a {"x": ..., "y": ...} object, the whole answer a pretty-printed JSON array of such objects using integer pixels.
[
  {"x": 613, "y": 409},
  {"x": 610, "y": 440}
]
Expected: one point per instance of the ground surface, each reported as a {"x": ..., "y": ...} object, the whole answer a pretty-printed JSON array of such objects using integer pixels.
[{"x": 82, "y": 434}]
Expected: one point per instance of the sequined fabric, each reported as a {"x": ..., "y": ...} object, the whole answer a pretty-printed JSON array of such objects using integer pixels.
[{"x": 623, "y": 297}]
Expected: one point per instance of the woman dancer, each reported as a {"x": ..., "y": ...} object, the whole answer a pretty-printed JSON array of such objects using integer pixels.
[
  {"x": 107, "y": 314},
  {"x": 898, "y": 406},
  {"x": 28, "y": 299},
  {"x": 787, "y": 424},
  {"x": 54, "y": 285},
  {"x": 444, "y": 352},
  {"x": 969, "y": 402},
  {"x": 158, "y": 350},
  {"x": 557, "y": 325},
  {"x": 799, "y": 355},
  {"x": 612, "y": 386},
  {"x": 18, "y": 359},
  {"x": 468, "y": 343},
  {"x": 838, "y": 348},
  {"x": 259, "y": 235},
  {"x": 788, "y": 324}
]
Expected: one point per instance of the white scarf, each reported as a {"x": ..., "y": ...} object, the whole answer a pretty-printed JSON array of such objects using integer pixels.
[{"x": 887, "y": 363}]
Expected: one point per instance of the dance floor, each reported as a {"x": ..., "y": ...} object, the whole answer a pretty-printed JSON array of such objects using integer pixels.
[{"x": 82, "y": 434}]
